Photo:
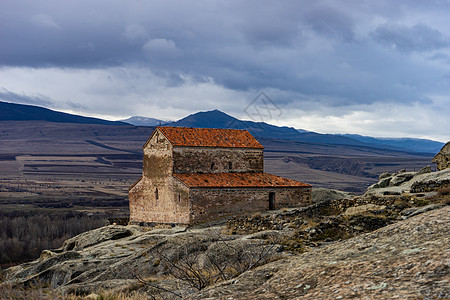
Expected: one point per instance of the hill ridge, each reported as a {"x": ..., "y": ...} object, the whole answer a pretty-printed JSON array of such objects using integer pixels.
[
  {"x": 22, "y": 112},
  {"x": 218, "y": 119}
]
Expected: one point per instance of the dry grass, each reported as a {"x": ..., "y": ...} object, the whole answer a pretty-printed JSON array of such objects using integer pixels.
[
  {"x": 444, "y": 191},
  {"x": 8, "y": 291},
  {"x": 111, "y": 295}
]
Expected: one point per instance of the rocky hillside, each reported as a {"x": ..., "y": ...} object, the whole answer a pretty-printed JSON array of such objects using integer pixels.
[
  {"x": 407, "y": 260},
  {"x": 384, "y": 244}
]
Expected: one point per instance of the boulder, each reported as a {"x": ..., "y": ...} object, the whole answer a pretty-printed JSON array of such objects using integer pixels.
[
  {"x": 401, "y": 178},
  {"x": 46, "y": 254},
  {"x": 382, "y": 183},
  {"x": 357, "y": 210},
  {"x": 424, "y": 170},
  {"x": 410, "y": 212},
  {"x": 385, "y": 175},
  {"x": 404, "y": 182},
  {"x": 95, "y": 237}
]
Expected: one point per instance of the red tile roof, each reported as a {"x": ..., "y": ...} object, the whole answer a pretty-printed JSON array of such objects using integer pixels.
[
  {"x": 207, "y": 137},
  {"x": 237, "y": 180}
]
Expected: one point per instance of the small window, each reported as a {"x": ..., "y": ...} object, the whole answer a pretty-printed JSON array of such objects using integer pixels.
[
  {"x": 179, "y": 198},
  {"x": 230, "y": 165},
  {"x": 156, "y": 194},
  {"x": 212, "y": 166}
]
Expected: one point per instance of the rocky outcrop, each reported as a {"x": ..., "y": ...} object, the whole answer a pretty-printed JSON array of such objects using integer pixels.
[
  {"x": 335, "y": 219},
  {"x": 342, "y": 245},
  {"x": 406, "y": 260},
  {"x": 410, "y": 182},
  {"x": 113, "y": 257},
  {"x": 442, "y": 159}
]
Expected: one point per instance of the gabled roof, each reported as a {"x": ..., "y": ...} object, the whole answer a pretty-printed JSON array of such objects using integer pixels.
[
  {"x": 235, "y": 180},
  {"x": 207, "y": 137}
]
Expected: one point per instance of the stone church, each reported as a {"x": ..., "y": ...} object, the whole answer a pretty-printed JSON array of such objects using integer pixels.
[{"x": 192, "y": 175}]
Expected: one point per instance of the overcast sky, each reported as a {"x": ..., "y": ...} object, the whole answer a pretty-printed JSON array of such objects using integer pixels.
[{"x": 379, "y": 68}]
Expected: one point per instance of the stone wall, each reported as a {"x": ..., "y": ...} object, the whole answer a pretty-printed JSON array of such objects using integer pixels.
[
  {"x": 429, "y": 186},
  {"x": 158, "y": 197},
  {"x": 442, "y": 159},
  {"x": 170, "y": 204},
  {"x": 211, "y": 203},
  {"x": 158, "y": 162},
  {"x": 215, "y": 160}
]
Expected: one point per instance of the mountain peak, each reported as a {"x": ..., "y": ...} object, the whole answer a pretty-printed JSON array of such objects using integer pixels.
[
  {"x": 218, "y": 119},
  {"x": 207, "y": 119},
  {"x": 144, "y": 121}
]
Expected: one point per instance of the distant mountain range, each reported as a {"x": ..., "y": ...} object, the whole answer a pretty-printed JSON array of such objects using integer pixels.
[
  {"x": 421, "y": 145},
  {"x": 218, "y": 119},
  {"x": 144, "y": 121},
  {"x": 21, "y": 112}
]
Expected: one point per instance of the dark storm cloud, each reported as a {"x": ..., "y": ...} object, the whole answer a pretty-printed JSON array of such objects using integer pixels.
[
  {"x": 52, "y": 33},
  {"x": 418, "y": 38}
]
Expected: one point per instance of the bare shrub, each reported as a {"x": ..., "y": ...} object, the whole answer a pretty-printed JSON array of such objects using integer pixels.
[{"x": 199, "y": 266}]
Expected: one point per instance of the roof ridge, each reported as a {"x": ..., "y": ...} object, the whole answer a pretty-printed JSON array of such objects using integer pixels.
[{"x": 209, "y": 137}]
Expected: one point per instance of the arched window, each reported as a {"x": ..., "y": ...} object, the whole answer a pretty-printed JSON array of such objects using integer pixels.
[
  {"x": 156, "y": 194},
  {"x": 212, "y": 166},
  {"x": 230, "y": 165}
]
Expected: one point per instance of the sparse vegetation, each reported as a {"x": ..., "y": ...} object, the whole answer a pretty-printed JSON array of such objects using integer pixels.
[
  {"x": 24, "y": 234},
  {"x": 444, "y": 191},
  {"x": 43, "y": 292},
  {"x": 200, "y": 266}
]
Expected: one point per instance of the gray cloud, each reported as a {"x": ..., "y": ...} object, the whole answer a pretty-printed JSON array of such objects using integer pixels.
[
  {"x": 331, "y": 22},
  {"x": 45, "y": 22},
  {"x": 419, "y": 37},
  {"x": 325, "y": 57},
  {"x": 36, "y": 99}
]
